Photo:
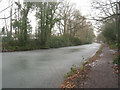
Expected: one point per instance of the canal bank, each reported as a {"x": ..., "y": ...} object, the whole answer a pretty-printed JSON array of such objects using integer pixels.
[{"x": 97, "y": 73}]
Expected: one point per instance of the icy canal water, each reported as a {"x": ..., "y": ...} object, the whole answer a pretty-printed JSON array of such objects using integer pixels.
[{"x": 42, "y": 68}]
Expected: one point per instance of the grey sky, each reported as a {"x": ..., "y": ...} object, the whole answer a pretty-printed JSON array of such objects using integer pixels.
[{"x": 83, "y": 5}]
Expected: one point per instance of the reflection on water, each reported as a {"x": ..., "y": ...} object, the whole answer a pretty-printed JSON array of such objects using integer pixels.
[{"x": 75, "y": 50}]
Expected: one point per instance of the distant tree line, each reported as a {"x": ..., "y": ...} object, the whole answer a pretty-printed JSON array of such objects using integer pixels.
[{"x": 59, "y": 24}]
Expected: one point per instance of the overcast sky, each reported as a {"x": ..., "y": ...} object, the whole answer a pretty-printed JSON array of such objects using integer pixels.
[{"x": 83, "y": 5}]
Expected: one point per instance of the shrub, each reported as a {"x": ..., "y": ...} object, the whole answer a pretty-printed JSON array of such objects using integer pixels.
[
  {"x": 7, "y": 39},
  {"x": 76, "y": 41},
  {"x": 9, "y": 44},
  {"x": 58, "y": 41},
  {"x": 73, "y": 69},
  {"x": 117, "y": 60}
]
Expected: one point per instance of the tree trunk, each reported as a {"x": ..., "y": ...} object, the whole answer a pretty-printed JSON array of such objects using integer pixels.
[
  {"x": 6, "y": 26},
  {"x": 119, "y": 28},
  {"x": 11, "y": 22}
]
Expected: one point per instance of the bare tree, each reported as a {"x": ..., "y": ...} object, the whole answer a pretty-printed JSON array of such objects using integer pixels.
[
  {"x": 65, "y": 13},
  {"x": 107, "y": 10},
  {"x": 76, "y": 22}
]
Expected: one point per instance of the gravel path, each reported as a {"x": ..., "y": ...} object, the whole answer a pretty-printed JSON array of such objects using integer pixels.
[{"x": 101, "y": 74}]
